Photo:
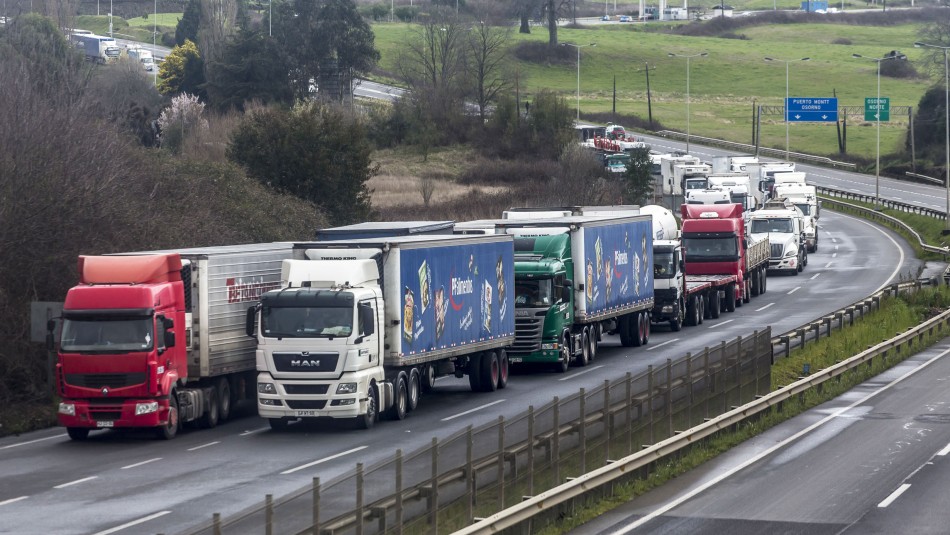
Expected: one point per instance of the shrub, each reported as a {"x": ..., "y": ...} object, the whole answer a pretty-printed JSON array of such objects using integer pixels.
[{"x": 841, "y": 41}]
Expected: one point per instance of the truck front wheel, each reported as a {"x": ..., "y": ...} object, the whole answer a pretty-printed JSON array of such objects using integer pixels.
[
  {"x": 170, "y": 429},
  {"x": 677, "y": 322},
  {"x": 368, "y": 419},
  {"x": 78, "y": 433},
  {"x": 564, "y": 363}
]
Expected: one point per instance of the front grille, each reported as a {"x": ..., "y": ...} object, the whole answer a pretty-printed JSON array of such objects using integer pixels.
[
  {"x": 305, "y": 362},
  {"x": 664, "y": 294},
  {"x": 527, "y": 335},
  {"x": 99, "y": 380},
  {"x": 306, "y": 403},
  {"x": 778, "y": 249},
  {"x": 306, "y": 389}
]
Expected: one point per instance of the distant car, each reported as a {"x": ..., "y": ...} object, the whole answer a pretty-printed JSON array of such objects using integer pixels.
[
  {"x": 605, "y": 17},
  {"x": 626, "y": 18}
]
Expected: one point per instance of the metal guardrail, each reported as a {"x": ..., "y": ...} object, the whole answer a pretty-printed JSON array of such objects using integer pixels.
[
  {"x": 938, "y": 181},
  {"x": 743, "y": 147},
  {"x": 597, "y": 479}
]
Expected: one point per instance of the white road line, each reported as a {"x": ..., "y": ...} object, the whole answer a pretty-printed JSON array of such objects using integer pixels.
[
  {"x": 720, "y": 324},
  {"x": 13, "y": 500},
  {"x": 651, "y": 348},
  {"x": 578, "y": 374},
  {"x": 793, "y": 290},
  {"x": 78, "y": 481},
  {"x": 765, "y": 307},
  {"x": 134, "y": 523},
  {"x": 141, "y": 463},
  {"x": 815, "y": 276},
  {"x": 204, "y": 445},
  {"x": 325, "y": 459},
  {"x": 252, "y": 431},
  {"x": 836, "y": 247},
  {"x": 762, "y": 455},
  {"x": 944, "y": 451},
  {"x": 32, "y": 441},
  {"x": 828, "y": 265},
  {"x": 834, "y": 255},
  {"x": 894, "y": 495},
  {"x": 476, "y": 409}
]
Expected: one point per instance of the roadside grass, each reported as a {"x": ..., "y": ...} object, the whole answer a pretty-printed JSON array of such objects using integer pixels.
[
  {"x": 136, "y": 29},
  {"x": 725, "y": 85},
  {"x": 894, "y": 316}
]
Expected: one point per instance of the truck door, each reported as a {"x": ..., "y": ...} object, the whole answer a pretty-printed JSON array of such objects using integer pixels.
[{"x": 369, "y": 323}]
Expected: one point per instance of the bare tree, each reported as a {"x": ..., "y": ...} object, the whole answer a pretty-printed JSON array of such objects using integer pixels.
[
  {"x": 582, "y": 179},
  {"x": 935, "y": 33},
  {"x": 217, "y": 22},
  {"x": 488, "y": 47}
]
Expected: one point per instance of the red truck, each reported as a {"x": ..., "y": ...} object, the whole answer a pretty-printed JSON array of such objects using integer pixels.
[
  {"x": 156, "y": 339},
  {"x": 716, "y": 243}
]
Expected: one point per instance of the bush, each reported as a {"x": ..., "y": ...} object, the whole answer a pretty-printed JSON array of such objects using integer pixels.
[
  {"x": 542, "y": 53},
  {"x": 841, "y": 41}
]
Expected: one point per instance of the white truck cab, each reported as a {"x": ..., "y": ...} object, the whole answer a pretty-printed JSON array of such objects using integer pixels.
[{"x": 783, "y": 224}]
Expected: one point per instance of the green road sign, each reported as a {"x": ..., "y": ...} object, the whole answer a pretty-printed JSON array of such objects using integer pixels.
[{"x": 873, "y": 106}]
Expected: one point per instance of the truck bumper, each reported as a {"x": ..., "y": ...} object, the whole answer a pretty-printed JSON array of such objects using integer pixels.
[
  {"x": 783, "y": 264},
  {"x": 123, "y": 414},
  {"x": 314, "y": 398},
  {"x": 542, "y": 356}
]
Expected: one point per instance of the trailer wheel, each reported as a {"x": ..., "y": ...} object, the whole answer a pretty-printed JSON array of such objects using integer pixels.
[
  {"x": 756, "y": 283},
  {"x": 503, "y": 368},
  {"x": 490, "y": 371},
  {"x": 210, "y": 417},
  {"x": 224, "y": 399},
  {"x": 677, "y": 322},
  {"x": 170, "y": 429},
  {"x": 701, "y": 308},
  {"x": 78, "y": 433},
  {"x": 715, "y": 304},
  {"x": 592, "y": 344},
  {"x": 428, "y": 378},
  {"x": 584, "y": 358},
  {"x": 636, "y": 328},
  {"x": 367, "y": 420},
  {"x": 401, "y": 402},
  {"x": 413, "y": 389},
  {"x": 646, "y": 327},
  {"x": 765, "y": 280},
  {"x": 475, "y": 372},
  {"x": 731, "y": 298},
  {"x": 626, "y": 330},
  {"x": 747, "y": 294}
]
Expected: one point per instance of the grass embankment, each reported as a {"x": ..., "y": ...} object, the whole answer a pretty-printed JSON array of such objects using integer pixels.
[
  {"x": 136, "y": 29},
  {"x": 895, "y": 315}
]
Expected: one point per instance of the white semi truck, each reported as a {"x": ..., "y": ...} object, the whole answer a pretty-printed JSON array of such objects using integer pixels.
[
  {"x": 805, "y": 197},
  {"x": 362, "y": 326},
  {"x": 783, "y": 223}
]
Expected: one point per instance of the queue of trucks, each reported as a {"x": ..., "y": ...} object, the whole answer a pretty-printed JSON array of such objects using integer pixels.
[{"x": 361, "y": 321}]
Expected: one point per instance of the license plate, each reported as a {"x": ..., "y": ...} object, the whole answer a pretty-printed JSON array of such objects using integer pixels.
[
  {"x": 105, "y": 424},
  {"x": 515, "y": 359},
  {"x": 304, "y": 413}
]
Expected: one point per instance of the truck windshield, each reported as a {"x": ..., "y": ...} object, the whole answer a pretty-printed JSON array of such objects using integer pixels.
[
  {"x": 108, "y": 334},
  {"x": 761, "y": 226},
  {"x": 306, "y": 322},
  {"x": 695, "y": 184},
  {"x": 804, "y": 207},
  {"x": 534, "y": 293},
  {"x": 663, "y": 266},
  {"x": 698, "y": 249}
]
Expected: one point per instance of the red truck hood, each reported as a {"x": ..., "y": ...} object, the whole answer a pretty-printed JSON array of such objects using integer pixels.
[{"x": 121, "y": 375}]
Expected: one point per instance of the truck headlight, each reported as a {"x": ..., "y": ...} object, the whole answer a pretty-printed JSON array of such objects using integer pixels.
[
  {"x": 346, "y": 388},
  {"x": 549, "y": 346},
  {"x": 667, "y": 309},
  {"x": 68, "y": 409},
  {"x": 791, "y": 252},
  {"x": 146, "y": 408},
  {"x": 266, "y": 388}
]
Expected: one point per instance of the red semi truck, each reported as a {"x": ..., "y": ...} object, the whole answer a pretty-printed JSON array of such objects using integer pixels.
[
  {"x": 156, "y": 339},
  {"x": 716, "y": 243}
]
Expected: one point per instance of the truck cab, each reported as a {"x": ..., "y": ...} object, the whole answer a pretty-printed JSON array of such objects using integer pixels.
[
  {"x": 805, "y": 197},
  {"x": 783, "y": 225}
]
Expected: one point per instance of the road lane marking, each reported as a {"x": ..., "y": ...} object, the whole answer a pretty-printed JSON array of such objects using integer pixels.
[
  {"x": 141, "y": 463},
  {"x": 721, "y": 323},
  {"x": 325, "y": 459},
  {"x": 204, "y": 445},
  {"x": 669, "y": 506},
  {"x": 78, "y": 481},
  {"x": 815, "y": 276},
  {"x": 944, "y": 451},
  {"x": 134, "y": 523},
  {"x": 836, "y": 247},
  {"x": 651, "y": 348},
  {"x": 13, "y": 500},
  {"x": 765, "y": 307},
  {"x": 793, "y": 290},
  {"x": 894, "y": 495},
  {"x": 578, "y": 374},
  {"x": 32, "y": 441},
  {"x": 252, "y": 431},
  {"x": 828, "y": 265}
]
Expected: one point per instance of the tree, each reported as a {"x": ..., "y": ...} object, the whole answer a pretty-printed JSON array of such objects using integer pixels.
[
  {"x": 187, "y": 28},
  {"x": 638, "y": 181},
  {"x": 314, "y": 151},
  {"x": 488, "y": 47},
  {"x": 217, "y": 22},
  {"x": 182, "y": 71},
  {"x": 251, "y": 67}
]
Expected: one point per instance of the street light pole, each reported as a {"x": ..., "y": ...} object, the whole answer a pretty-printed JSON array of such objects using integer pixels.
[
  {"x": 946, "y": 107},
  {"x": 688, "y": 57},
  {"x": 578, "y": 47},
  {"x": 877, "y": 158},
  {"x": 785, "y": 104}
]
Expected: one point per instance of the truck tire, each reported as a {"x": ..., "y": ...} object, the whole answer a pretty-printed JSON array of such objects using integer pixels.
[
  {"x": 491, "y": 370},
  {"x": 592, "y": 343},
  {"x": 78, "y": 433},
  {"x": 562, "y": 365},
  {"x": 715, "y": 304},
  {"x": 701, "y": 308},
  {"x": 368, "y": 419},
  {"x": 278, "y": 424},
  {"x": 692, "y": 317},
  {"x": 756, "y": 283},
  {"x": 170, "y": 429},
  {"x": 646, "y": 327},
  {"x": 413, "y": 389},
  {"x": 677, "y": 322},
  {"x": 224, "y": 399},
  {"x": 747, "y": 294},
  {"x": 584, "y": 358},
  {"x": 400, "y": 399},
  {"x": 731, "y": 298},
  {"x": 765, "y": 280},
  {"x": 428, "y": 378},
  {"x": 503, "y": 369},
  {"x": 209, "y": 419},
  {"x": 626, "y": 331},
  {"x": 474, "y": 372},
  {"x": 636, "y": 328}
]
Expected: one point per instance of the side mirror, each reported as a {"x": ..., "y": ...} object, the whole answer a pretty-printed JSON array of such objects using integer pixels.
[
  {"x": 369, "y": 321},
  {"x": 249, "y": 322},
  {"x": 169, "y": 339},
  {"x": 566, "y": 293},
  {"x": 168, "y": 323}
]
